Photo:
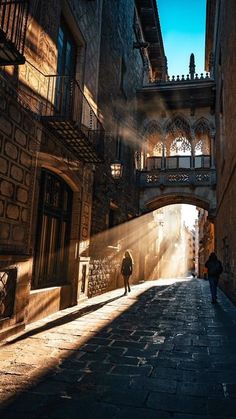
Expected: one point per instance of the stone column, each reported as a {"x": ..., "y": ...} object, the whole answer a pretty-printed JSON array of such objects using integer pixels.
[
  {"x": 145, "y": 156},
  {"x": 212, "y": 136},
  {"x": 163, "y": 162},
  {"x": 192, "y": 160}
]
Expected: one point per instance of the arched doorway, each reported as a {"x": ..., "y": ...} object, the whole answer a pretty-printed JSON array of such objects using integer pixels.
[{"x": 53, "y": 231}]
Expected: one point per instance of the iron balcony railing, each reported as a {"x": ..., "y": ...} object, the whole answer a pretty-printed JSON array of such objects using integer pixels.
[
  {"x": 13, "y": 21},
  {"x": 67, "y": 111}
]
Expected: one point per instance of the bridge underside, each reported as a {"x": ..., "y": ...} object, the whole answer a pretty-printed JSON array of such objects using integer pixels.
[{"x": 154, "y": 198}]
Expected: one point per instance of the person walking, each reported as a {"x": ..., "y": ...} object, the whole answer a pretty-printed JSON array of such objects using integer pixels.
[
  {"x": 214, "y": 268},
  {"x": 126, "y": 270}
]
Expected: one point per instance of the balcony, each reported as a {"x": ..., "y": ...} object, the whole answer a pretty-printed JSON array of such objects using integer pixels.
[
  {"x": 69, "y": 115},
  {"x": 177, "y": 171},
  {"x": 192, "y": 178},
  {"x": 13, "y": 21}
]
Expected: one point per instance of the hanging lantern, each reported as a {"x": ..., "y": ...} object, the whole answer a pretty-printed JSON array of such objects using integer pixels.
[{"x": 116, "y": 169}]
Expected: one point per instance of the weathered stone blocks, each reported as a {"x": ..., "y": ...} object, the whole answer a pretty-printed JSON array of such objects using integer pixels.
[
  {"x": 4, "y": 231},
  {"x": 5, "y": 126},
  {"x": 13, "y": 211},
  {"x": 27, "y": 179},
  {"x": 24, "y": 215},
  {"x": 14, "y": 113},
  {"x": 18, "y": 233},
  {"x": 25, "y": 159},
  {"x": 22, "y": 195},
  {"x": 102, "y": 276},
  {"x": 3, "y": 166},
  {"x": 29, "y": 125},
  {"x": 11, "y": 150},
  {"x": 17, "y": 173},
  {"x": 20, "y": 137},
  {"x": 7, "y": 188}
]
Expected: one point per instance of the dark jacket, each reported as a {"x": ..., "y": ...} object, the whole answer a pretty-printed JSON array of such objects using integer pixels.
[
  {"x": 127, "y": 266},
  {"x": 214, "y": 266}
]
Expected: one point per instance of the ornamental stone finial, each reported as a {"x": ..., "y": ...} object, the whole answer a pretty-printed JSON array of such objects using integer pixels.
[{"x": 192, "y": 66}]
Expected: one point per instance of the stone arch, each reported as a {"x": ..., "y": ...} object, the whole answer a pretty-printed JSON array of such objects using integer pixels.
[
  {"x": 177, "y": 124},
  {"x": 180, "y": 198},
  {"x": 202, "y": 125},
  {"x": 202, "y": 137},
  {"x": 57, "y": 166},
  {"x": 150, "y": 126},
  {"x": 153, "y": 139}
]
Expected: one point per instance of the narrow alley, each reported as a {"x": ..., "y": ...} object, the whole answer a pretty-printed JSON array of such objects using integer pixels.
[{"x": 163, "y": 352}]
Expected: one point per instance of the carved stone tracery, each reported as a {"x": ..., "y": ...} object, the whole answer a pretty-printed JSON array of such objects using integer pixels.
[
  {"x": 178, "y": 137},
  {"x": 180, "y": 146}
]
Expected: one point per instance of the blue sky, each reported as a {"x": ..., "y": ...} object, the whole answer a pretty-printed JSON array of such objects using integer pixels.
[{"x": 183, "y": 31}]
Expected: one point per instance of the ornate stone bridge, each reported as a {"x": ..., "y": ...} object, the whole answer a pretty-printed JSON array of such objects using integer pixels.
[
  {"x": 160, "y": 188},
  {"x": 175, "y": 162}
]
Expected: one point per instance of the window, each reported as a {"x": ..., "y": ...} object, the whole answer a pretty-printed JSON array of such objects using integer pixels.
[
  {"x": 66, "y": 51},
  {"x": 66, "y": 70},
  {"x": 53, "y": 231}
]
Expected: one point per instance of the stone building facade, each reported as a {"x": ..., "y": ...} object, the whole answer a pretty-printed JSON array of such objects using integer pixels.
[
  {"x": 221, "y": 60},
  {"x": 68, "y": 110},
  {"x": 47, "y": 160},
  {"x": 124, "y": 66}
]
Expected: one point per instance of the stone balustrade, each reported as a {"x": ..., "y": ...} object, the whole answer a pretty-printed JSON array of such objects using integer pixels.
[
  {"x": 184, "y": 79},
  {"x": 188, "y": 177}
]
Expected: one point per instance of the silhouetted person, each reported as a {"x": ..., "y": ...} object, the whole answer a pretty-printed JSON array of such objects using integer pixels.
[
  {"x": 126, "y": 270},
  {"x": 214, "y": 267}
]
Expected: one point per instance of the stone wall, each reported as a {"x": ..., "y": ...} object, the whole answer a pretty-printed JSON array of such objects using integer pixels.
[
  {"x": 27, "y": 146},
  {"x": 121, "y": 73},
  {"x": 19, "y": 133},
  {"x": 225, "y": 64},
  {"x": 103, "y": 276}
]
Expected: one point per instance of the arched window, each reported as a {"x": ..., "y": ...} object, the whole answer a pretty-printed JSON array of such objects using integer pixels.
[
  {"x": 181, "y": 146},
  {"x": 157, "y": 149},
  {"x": 53, "y": 231},
  {"x": 178, "y": 138},
  {"x": 202, "y": 145},
  {"x": 179, "y": 153}
]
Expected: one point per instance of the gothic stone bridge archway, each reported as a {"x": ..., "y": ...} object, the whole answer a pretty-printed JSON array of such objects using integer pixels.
[
  {"x": 151, "y": 199},
  {"x": 175, "y": 161}
]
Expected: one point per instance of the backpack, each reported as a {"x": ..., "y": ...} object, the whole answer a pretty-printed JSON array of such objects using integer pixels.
[{"x": 215, "y": 268}]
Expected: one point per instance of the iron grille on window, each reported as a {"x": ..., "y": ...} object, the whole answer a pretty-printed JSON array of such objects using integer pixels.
[{"x": 7, "y": 292}]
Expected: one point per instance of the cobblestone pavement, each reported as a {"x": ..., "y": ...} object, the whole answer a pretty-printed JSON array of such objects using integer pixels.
[{"x": 162, "y": 352}]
